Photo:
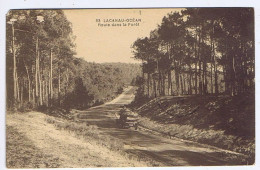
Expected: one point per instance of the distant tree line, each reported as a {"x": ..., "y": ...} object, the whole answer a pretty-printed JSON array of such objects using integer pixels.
[
  {"x": 41, "y": 69},
  {"x": 199, "y": 51}
]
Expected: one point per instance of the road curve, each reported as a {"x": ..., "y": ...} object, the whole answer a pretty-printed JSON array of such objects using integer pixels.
[{"x": 164, "y": 151}]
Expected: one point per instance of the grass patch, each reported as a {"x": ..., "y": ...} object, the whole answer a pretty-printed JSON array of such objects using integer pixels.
[
  {"x": 21, "y": 153},
  {"x": 92, "y": 133},
  {"x": 222, "y": 121},
  {"x": 87, "y": 131},
  {"x": 211, "y": 137}
]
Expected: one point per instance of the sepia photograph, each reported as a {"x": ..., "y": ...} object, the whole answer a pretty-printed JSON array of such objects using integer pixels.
[{"x": 130, "y": 87}]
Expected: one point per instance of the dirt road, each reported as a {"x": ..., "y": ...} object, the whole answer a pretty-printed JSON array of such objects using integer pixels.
[
  {"x": 167, "y": 152},
  {"x": 71, "y": 151},
  {"x": 66, "y": 148}
]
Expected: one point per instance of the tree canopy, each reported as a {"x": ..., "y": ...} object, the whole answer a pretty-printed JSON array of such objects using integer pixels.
[
  {"x": 42, "y": 70},
  {"x": 199, "y": 51}
]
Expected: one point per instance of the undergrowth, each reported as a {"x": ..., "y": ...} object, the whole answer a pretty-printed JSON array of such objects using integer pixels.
[
  {"x": 88, "y": 131},
  {"x": 21, "y": 153},
  {"x": 222, "y": 121},
  {"x": 91, "y": 132},
  {"x": 211, "y": 137}
]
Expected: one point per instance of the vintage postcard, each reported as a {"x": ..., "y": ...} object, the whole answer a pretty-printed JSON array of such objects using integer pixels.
[{"x": 152, "y": 87}]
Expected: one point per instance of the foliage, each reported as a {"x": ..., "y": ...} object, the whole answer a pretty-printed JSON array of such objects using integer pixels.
[
  {"x": 42, "y": 70},
  {"x": 204, "y": 119},
  {"x": 199, "y": 51}
]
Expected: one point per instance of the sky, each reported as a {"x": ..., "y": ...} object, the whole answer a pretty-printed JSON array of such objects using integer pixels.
[{"x": 96, "y": 43}]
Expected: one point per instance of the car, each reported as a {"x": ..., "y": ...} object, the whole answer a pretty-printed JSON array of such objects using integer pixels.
[{"x": 127, "y": 120}]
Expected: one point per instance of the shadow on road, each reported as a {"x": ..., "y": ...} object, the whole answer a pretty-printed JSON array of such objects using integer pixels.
[{"x": 166, "y": 151}]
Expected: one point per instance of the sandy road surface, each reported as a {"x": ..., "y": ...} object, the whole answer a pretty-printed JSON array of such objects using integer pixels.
[
  {"x": 71, "y": 151},
  {"x": 168, "y": 152},
  {"x": 75, "y": 152}
]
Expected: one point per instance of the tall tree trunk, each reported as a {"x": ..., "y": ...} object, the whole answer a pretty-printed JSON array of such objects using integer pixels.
[
  {"x": 40, "y": 82},
  {"x": 177, "y": 78},
  {"x": 29, "y": 81},
  {"x": 67, "y": 81},
  {"x": 18, "y": 91},
  {"x": 199, "y": 56},
  {"x": 169, "y": 48},
  {"x": 154, "y": 87},
  {"x": 36, "y": 71},
  {"x": 184, "y": 83},
  {"x": 163, "y": 84},
  {"x": 190, "y": 80},
  {"x": 206, "y": 83},
  {"x": 164, "y": 76},
  {"x": 43, "y": 92},
  {"x": 21, "y": 94},
  {"x": 169, "y": 82},
  {"x": 51, "y": 86},
  {"x": 227, "y": 70},
  {"x": 215, "y": 70},
  {"x": 204, "y": 76},
  {"x": 211, "y": 68},
  {"x": 33, "y": 96},
  {"x": 196, "y": 67},
  {"x": 181, "y": 82},
  {"x": 46, "y": 93},
  {"x": 14, "y": 65},
  {"x": 148, "y": 84},
  {"x": 159, "y": 84},
  {"x": 143, "y": 84},
  {"x": 171, "y": 86}
]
